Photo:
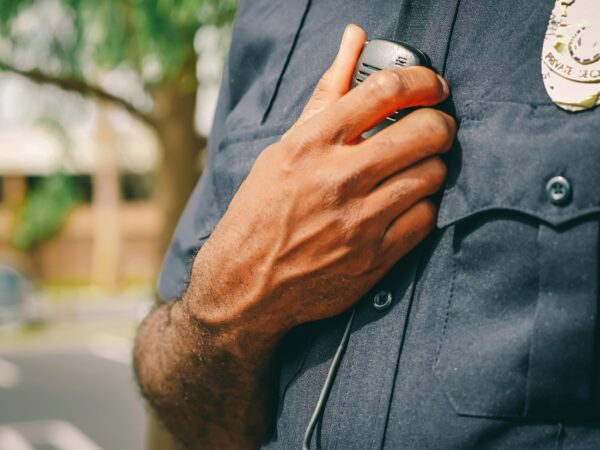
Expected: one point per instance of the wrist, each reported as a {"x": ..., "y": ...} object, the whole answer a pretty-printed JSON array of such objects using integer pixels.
[
  {"x": 229, "y": 334},
  {"x": 215, "y": 309}
]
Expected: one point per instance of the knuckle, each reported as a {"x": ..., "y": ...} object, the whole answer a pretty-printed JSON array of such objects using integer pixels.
[
  {"x": 370, "y": 259},
  {"x": 335, "y": 189},
  {"x": 437, "y": 125},
  {"x": 428, "y": 214},
  {"x": 451, "y": 134},
  {"x": 361, "y": 221},
  {"x": 366, "y": 256},
  {"x": 423, "y": 75},
  {"x": 325, "y": 77},
  {"x": 304, "y": 145},
  {"x": 344, "y": 186},
  {"x": 308, "y": 140},
  {"x": 323, "y": 86},
  {"x": 387, "y": 140},
  {"x": 427, "y": 80},
  {"x": 350, "y": 227},
  {"x": 403, "y": 189},
  {"x": 438, "y": 173},
  {"x": 436, "y": 84},
  {"x": 341, "y": 131},
  {"x": 386, "y": 85},
  {"x": 311, "y": 135}
]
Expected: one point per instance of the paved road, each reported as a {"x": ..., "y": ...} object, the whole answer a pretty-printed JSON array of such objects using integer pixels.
[{"x": 80, "y": 399}]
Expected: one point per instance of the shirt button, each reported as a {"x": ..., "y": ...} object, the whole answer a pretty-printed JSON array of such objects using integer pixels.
[
  {"x": 382, "y": 300},
  {"x": 558, "y": 190}
]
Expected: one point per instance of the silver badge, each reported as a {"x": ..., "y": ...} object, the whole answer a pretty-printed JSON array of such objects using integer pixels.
[{"x": 571, "y": 54}]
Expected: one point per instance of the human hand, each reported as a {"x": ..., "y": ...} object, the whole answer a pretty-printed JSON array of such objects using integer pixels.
[{"x": 323, "y": 214}]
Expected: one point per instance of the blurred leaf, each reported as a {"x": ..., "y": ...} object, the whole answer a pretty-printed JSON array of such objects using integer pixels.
[
  {"x": 111, "y": 33},
  {"x": 9, "y": 9},
  {"x": 44, "y": 211},
  {"x": 81, "y": 40}
]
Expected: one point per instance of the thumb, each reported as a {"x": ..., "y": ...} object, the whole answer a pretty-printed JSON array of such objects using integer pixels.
[{"x": 335, "y": 82}]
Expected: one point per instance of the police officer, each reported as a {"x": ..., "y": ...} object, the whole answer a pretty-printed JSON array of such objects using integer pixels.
[{"x": 320, "y": 297}]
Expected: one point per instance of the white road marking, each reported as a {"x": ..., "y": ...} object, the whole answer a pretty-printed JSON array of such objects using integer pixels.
[
  {"x": 65, "y": 436},
  {"x": 112, "y": 348},
  {"x": 60, "y": 434},
  {"x": 10, "y": 374},
  {"x": 11, "y": 439}
]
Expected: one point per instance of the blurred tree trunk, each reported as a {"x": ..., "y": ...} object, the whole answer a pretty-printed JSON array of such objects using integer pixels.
[
  {"x": 106, "y": 250},
  {"x": 174, "y": 115}
]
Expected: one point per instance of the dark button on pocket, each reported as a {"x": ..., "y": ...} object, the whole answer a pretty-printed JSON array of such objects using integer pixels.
[
  {"x": 382, "y": 300},
  {"x": 558, "y": 190}
]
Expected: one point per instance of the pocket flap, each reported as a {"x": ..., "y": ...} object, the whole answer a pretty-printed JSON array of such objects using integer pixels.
[
  {"x": 506, "y": 154},
  {"x": 264, "y": 35}
]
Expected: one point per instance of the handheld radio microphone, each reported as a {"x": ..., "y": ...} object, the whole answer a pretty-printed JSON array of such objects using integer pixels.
[{"x": 381, "y": 54}]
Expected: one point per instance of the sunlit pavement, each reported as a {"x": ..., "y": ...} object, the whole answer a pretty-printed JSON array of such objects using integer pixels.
[
  {"x": 70, "y": 386},
  {"x": 69, "y": 400}
]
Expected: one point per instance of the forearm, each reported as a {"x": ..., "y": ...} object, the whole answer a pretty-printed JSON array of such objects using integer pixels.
[{"x": 208, "y": 395}]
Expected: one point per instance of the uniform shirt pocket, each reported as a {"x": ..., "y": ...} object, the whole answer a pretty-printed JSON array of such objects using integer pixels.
[{"x": 519, "y": 325}]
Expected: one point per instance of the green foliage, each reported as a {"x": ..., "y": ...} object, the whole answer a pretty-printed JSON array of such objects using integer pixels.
[
  {"x": 109, "y": 33},
  {"x": 44, "y": 212},
  {"x": 80, "y": 39}
]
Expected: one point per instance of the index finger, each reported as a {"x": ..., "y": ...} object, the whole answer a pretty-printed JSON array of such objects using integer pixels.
[{"x": 379, "y": 96}]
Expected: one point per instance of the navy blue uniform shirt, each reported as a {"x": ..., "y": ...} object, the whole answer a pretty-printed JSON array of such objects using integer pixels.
[{"x": 490, "y": 340}]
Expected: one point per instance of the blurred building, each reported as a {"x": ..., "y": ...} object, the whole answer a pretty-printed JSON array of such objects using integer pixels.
[{"x": 110, "y": 237}]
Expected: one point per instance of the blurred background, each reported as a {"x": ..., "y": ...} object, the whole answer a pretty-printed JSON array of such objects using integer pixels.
[{"x": 105, "y": 106}]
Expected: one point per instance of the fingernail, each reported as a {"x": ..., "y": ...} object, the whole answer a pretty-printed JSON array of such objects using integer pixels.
[
  {"x": 345, "y": 35},
  {"x": 342, "y": 42},
  {"x": 444, "y": 85}
]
